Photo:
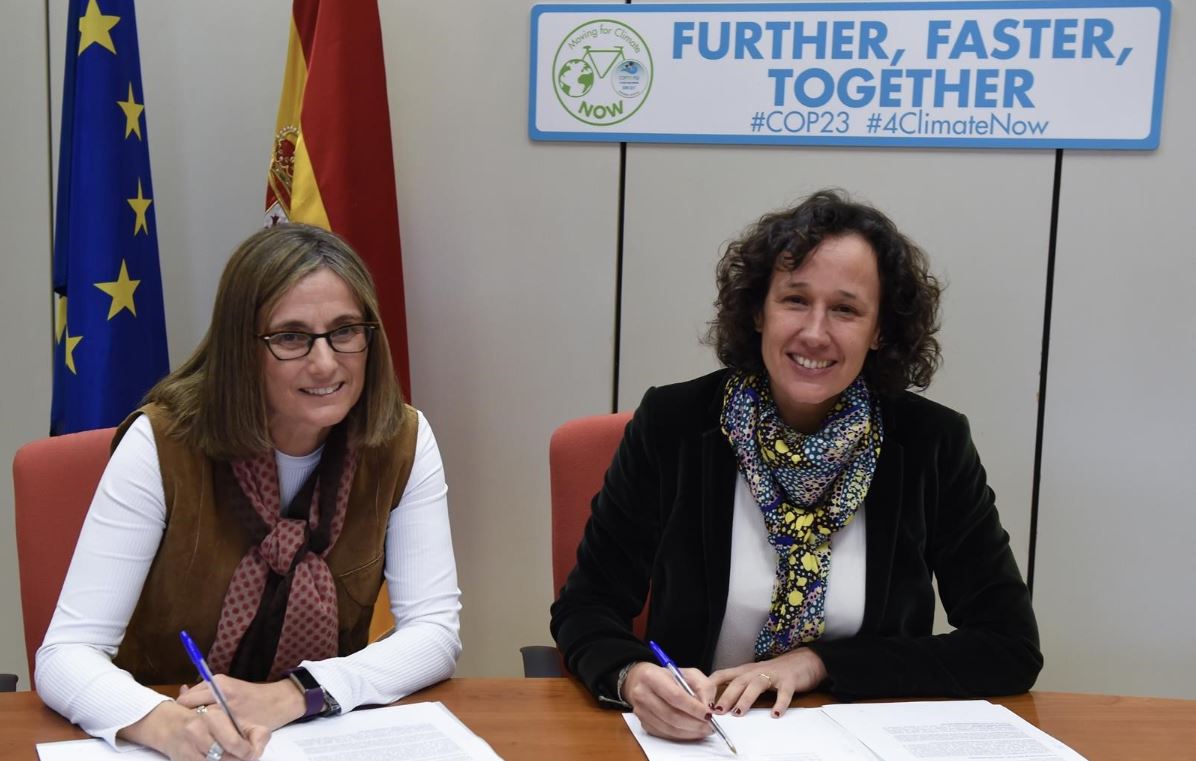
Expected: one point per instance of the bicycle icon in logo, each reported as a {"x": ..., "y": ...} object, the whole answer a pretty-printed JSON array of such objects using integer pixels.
[{"x": 577, "y": 74}]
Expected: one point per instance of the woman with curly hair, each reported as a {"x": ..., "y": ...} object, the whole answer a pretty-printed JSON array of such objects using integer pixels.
[{"x": 789, "y": 513}]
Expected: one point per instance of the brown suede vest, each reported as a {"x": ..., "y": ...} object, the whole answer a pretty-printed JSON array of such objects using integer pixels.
[{"x": 203, "y": 542}]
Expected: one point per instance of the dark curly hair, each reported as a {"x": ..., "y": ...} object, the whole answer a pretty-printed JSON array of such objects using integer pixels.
[{"x": 909, "y": 294}]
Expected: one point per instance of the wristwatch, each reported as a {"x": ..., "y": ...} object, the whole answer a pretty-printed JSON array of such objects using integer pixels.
[{"x": 318, "y": 700}]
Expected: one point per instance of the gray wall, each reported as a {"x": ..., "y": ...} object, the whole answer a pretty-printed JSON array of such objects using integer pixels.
[
  {"x": 25, "y": 312},
  {"x": 1113, "y": 583},
  {"x": 509, "y": 249}
]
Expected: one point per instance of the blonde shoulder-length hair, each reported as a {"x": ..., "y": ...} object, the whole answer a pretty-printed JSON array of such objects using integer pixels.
[{"x": 216, "y": 398}]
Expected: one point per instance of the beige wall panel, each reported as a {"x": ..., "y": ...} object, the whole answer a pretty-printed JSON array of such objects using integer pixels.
[
  {"x": 211, "y": 73},
  {"x": 1113, "y": 583},
  {"x": 982, "y": 216},
  {"x": 508, "y": 247},
  {"x": 25, "y": 285}
]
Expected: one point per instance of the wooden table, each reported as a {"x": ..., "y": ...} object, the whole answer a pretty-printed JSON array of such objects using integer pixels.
[{"x": 538, "y": 719}]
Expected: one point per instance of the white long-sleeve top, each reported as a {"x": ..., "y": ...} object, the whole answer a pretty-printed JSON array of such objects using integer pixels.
[
  {"x": 121, "y": 534},
  {"x": 754, "y": 571}
]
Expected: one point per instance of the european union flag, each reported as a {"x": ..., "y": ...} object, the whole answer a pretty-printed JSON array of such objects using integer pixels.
[{"x": 109, "y": 326}]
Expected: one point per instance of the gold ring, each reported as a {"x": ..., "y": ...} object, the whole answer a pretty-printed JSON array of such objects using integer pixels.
[{"x": 766, "y": 676}]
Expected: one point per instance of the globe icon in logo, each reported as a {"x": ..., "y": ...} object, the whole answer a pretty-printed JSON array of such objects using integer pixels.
[{"x": 575, "y": 78}]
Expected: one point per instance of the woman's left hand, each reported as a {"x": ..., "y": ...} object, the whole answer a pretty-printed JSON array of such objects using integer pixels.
[
  {"x": 799, "y": 670},
  {"x": 273, "y": 705}
]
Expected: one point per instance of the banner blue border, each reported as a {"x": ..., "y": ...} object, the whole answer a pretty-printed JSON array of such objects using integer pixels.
[{"x": 1150, "y": 142}]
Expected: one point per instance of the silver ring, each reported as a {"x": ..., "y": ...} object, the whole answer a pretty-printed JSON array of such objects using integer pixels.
[
  {"x": 201, "y": 710},
  {"x": 215, "y": 753}
]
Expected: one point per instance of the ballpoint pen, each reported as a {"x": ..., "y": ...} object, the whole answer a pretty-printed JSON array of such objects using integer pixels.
[
  {"x": 667, "y": 662},
  {"x": 202, "y": 666}
]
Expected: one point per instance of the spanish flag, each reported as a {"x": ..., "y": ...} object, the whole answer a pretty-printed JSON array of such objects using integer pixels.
[{"x": 332, "y": 164}]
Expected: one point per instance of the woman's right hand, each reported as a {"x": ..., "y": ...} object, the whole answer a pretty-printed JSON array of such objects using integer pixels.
[
  {"x": 184, "y": 734},
  {"x": 663, "y": 707}
]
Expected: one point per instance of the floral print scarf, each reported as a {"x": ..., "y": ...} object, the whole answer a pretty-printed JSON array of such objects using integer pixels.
[{"x": 807, "y": 487}]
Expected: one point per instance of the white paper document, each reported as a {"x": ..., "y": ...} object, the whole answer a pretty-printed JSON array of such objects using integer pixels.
[
  {"x": 802, "y": 734},
  {"x": 959, "y": 730},
  {"x": 94, "y": 750},
  {"x": 416, "y": 732},
  {"x": 962, "y": 730}
]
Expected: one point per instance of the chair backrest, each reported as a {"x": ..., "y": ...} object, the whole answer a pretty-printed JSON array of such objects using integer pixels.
[
  {"x": 54, "y": 480},
  {"x": 579, "y": 454}
]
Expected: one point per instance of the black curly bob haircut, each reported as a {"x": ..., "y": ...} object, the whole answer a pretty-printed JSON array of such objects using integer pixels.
[{"x": 909, "y": 309}]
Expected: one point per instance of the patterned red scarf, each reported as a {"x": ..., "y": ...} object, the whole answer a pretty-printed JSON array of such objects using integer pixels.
[{"x": 281, "y": 606}]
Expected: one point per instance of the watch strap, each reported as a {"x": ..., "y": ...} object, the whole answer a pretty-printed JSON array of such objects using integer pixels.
[{"x": 315, "y": 697}]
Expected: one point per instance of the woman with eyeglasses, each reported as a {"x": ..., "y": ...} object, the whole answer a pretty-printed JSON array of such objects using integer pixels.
[{"x": 257, "y": 500}]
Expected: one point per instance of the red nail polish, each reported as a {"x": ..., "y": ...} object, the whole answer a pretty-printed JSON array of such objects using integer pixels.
[
  {"x": 736, "y": 712},
  {"x": 776, "y": 714},
  {"x": 709, "y": 716},
  {"x": 719, "y": 709}
]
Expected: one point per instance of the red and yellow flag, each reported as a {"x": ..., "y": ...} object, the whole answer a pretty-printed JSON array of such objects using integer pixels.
[{"x": 332, "y": 164}]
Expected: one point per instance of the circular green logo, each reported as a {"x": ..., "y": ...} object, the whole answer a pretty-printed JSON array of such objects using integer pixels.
[{"x": 602, "y": 72}]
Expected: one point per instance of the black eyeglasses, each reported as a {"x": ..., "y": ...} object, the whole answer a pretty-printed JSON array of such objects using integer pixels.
[{"x": 296, "y": 344}]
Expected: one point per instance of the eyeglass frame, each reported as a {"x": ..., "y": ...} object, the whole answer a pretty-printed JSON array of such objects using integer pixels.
[{"x": 371, "y": 328}]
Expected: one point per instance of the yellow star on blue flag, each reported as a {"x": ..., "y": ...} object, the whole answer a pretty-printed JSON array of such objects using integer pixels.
[{"x": 109, "y": 347}]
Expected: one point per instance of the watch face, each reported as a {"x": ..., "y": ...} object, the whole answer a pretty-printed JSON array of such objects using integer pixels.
[{"x": 331, "y": 707}]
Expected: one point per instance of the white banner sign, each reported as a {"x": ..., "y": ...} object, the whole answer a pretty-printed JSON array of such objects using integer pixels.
[{"x": 986, "y": 74}]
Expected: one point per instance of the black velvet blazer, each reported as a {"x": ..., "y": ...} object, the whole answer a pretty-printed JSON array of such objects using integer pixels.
[{"x": 663, "y": 522}]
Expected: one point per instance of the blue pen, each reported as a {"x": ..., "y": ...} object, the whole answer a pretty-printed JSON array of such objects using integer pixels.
[
  {"x": 202, "y": 667},
  {"x": 667, "y": 662}
]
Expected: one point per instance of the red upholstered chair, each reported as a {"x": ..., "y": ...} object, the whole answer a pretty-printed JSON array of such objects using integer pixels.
[
  {"x": 579, "y": 453},
  {"x": 54, "y": 480}
]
